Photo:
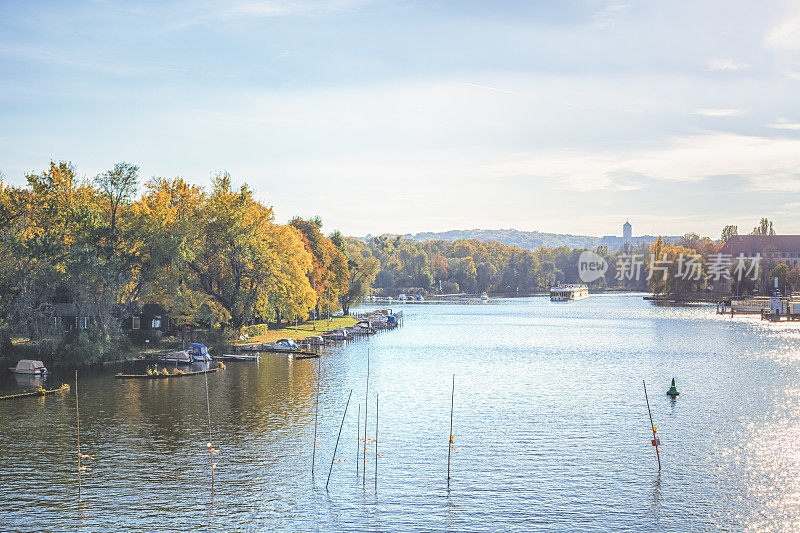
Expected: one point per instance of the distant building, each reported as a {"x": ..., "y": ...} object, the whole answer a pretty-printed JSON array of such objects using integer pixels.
[
  {"x": 627, "y": 231},
  {"x": 773, "y": 249}
]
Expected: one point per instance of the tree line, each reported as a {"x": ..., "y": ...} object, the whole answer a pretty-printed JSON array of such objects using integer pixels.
[
  {"x": 215, "y": 259},
  {"x": 211, "y": 258}
]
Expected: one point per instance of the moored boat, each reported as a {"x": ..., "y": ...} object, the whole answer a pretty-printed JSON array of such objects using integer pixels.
[
  {"x": 569, "y": 292},
  {"x": 335, "y": 335},
  {"x": 280, "y": 345},
  {"x": 28, "y": 366}
]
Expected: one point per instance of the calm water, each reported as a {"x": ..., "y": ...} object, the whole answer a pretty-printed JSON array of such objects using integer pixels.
[{"x": 551, "y": 430}]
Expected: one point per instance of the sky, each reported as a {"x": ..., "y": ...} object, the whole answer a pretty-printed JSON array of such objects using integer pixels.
[{"x": 407, "y": 116}]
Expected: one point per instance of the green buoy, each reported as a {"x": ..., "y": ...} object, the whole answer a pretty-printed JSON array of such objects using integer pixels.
[{"x": 672, "y": 392}]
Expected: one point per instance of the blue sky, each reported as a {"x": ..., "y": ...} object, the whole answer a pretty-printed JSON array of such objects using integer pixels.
[{"x": 406, "y": 116}]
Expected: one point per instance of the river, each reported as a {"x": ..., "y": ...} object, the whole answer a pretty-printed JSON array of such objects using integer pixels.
[{"x": 550, "y": 425}]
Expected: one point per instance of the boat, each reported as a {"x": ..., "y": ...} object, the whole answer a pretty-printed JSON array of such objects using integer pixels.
[
  {"x": 569, "y": 292},
  {"x": 484, "y": 296},
  {"x": 181, "y": 357},
  {"x": 335, "y": 335},
  {"x": 313, "y": 340},
  {"x": 199, "y": 353},
  {"x": 29, "y": 366},
  {"x": 281, "y": 345}
]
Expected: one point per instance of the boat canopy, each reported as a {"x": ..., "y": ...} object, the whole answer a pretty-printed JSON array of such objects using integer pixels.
[
  {"x": 29, "y": 364},
  {"x": 286, "y": 342},
  {"x": 198, "y": 349}
]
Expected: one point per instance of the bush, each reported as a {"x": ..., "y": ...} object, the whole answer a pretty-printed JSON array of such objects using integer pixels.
[{"x": 82, "y": 347}]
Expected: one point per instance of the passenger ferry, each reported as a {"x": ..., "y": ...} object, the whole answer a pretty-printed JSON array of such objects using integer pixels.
[{"x": 565, "y": 293}]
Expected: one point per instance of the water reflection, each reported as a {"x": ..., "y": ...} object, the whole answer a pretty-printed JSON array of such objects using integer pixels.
[{"x": 551, "y": 420}]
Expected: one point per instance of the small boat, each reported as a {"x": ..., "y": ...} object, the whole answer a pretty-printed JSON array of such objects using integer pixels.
[
  {"x": 238, "y": 357},
  {"x": 28, "y": 366},
  {"x": 306, "y": 355},
  {"x": 281, "y": 345},
  {"x": 335, "y": 335},
  {"x": 484, "y": 296},
  {"x": 181, "y": 357},
  {"x": 313, "y": 340}
]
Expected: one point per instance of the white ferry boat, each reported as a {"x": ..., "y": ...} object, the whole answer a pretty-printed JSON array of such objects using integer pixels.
[{"x": 565, "y": 293}]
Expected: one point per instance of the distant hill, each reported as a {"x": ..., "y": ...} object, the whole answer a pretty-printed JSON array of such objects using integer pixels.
[{"x": 531, "y": 240}]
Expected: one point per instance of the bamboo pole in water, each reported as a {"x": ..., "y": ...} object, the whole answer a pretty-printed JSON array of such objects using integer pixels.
[
  {"x": 78, "y": 418},
  {"x": 364, "y": 458},
  {"x": 358, "y": 438},
  {"x": 655, "y": 438},
  {"x": 210, "y": 441},
  {"x": 316, "y": 415},
  {"x": 450, "y": 443},
  {"x": 337, "y": 439},
  {"x": 376, "y": 441}
]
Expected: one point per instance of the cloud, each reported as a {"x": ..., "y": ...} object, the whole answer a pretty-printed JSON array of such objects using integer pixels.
[
  {"x": 230, "y": 10},
  {"x": 784, "y": 124},
  {"x": 786, "y": 34},
  {"x": 727, "y": 64},
  {"x": 609, "y": 14},
  {"x": 766, "y": 164},
  {"x": 717, "y": 112}
]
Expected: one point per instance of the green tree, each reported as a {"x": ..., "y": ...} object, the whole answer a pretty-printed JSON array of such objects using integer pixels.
[
  {"x": 362, "y": 268},
  {"x": 764, "y": 228},
  {"x": 728, "y": 232}
]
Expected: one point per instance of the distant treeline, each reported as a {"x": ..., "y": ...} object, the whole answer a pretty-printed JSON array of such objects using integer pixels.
[{"x": 532, "y": 240}]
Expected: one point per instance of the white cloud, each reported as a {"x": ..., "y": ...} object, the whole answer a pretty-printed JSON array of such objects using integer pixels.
[
  {"x": 609, "y": 14},
  {"x": 769, "y": 164},
  {"x": 784, "y": 124},
  {"x": 727, "y": 64},
  {"x": 718, "y": 112},
  {"x": 786, "y": 34}
]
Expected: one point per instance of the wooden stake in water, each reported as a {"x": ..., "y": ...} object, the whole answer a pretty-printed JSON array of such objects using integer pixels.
[
  {"x": 655, "y": 442},
  {"x": 450, "y": 443},
  {"x": 78, "y": 417},
  {"x": 316, "y": 415},
  {"x": 337, "y": 439},
  {"x": 376, "y": 441},
  {"x": 358, "y": 438},
  {"x": 366, "y": 399},
  {"x": 210, "y": 441}
]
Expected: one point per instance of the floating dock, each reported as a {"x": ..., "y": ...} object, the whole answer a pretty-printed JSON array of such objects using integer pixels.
[
  {"x": 167, "y": 374},
  {"x": 39, "y": 392}
]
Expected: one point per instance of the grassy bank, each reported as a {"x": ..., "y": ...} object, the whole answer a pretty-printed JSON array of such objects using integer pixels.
[{"x": 259, "y": 333}]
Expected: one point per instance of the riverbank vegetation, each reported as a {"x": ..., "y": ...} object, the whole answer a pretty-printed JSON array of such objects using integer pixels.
[{"x": 80, "y": 259}]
